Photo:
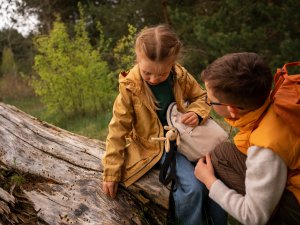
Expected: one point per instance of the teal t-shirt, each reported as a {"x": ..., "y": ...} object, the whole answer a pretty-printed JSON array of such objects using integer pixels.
[{"x": 163, "y": 93}]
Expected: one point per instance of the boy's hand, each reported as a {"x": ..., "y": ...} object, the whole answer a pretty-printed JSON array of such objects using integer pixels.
[
  {"x": 204, "y": 171},
  {"x": 110, "y": 188},
  {"x": 190, "y": 119}
]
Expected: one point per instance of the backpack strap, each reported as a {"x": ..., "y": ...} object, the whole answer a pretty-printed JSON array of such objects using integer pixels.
[
  {"x": 167, "y": 172},
  {"x": 169, "y": 113},
  {"x": 280, "y": 76}
]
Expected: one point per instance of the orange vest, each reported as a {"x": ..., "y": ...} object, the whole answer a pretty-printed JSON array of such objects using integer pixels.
[{"x": 272, "y": 133}]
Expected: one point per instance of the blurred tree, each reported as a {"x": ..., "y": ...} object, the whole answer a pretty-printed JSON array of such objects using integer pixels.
[
  {"x": 73, "y": 78},
  {"x": 21, "y": 47},
  {"x": 47, "y": 10},
  {"x": 114, "y": 15},
  {"x": 215, "y": 28},
  {"x": 124, "y": 53},
  {"x": 208, "y": 29},
  {"x": 8, "y": 65}
]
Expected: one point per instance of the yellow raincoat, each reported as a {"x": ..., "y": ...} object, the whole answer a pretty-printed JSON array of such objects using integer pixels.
[{"x": 130, "y": 152}]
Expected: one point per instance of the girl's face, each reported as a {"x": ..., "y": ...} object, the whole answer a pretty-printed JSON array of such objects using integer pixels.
[{"x": 153, "y": 72}]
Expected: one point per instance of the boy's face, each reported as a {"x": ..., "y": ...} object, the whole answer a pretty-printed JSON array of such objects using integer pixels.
[
  {"x": 152, "y": 72},
  {"x": 222, "y": 110}
]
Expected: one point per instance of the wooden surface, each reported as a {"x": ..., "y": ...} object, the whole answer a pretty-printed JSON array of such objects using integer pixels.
[{"x": 69, "y": 172}]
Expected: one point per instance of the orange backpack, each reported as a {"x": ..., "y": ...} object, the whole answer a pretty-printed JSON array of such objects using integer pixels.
[{"x": 286, "y": 97}]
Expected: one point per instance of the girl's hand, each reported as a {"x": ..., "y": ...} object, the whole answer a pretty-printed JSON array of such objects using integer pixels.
[
  {"x": 190, "y": 119},
  {"x": 110, "y": 188},
  {"x": 204, "y": 171}
]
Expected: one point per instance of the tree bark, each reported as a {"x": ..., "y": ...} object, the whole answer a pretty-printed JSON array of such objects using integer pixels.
[{"x": 69, "y": 172}]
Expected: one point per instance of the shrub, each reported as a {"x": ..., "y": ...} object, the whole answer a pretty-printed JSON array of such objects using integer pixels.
[
  {"x": 72, "y": 77},
  {"x": 8, "y": 65}
]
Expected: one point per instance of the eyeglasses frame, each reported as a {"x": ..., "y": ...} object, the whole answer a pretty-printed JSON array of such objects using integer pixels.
[{"x": 219, "y": 103}]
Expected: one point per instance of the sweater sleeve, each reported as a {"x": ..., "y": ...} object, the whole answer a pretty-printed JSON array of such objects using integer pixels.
[{"x": 265, "y": 182}]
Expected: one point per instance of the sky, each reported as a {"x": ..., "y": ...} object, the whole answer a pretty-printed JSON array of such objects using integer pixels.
[{"x": 25, "y": 24}]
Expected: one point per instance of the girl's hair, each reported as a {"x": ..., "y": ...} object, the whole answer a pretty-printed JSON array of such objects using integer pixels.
[
  {"x": 159, "y": 44},
  {"x": 241, "y": 79}
]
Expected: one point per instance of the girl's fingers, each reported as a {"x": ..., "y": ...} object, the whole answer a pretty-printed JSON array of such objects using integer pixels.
[
  {"x": 111, "y": 192},
  {"x": 190, "y": 120},
  {"x": 104, "y": 189},
  {"x": 110, "y": 188},
  {"x": 115, "y": 190}
]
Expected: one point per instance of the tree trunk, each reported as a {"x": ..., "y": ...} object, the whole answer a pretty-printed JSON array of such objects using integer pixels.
[
  {"x": 164, "y": 4},
  {"x": 68, "y": 172}
]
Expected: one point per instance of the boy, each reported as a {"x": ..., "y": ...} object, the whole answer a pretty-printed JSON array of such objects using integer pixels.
[{"x": 260, "y": 172}]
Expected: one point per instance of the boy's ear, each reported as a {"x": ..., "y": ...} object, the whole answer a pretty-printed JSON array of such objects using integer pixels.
[{"x": 234, "y": 111}]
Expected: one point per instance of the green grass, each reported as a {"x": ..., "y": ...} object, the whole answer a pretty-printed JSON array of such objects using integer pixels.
[
  {"x": 220, "y": 120},
  {"x": 30, "y": 105},
  {"x": 92, "y": 126}
]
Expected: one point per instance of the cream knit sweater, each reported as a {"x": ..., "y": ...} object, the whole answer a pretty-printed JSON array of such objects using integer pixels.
[{"x": 265, "y": 182}]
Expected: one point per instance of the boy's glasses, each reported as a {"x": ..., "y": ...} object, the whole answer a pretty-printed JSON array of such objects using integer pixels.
[{"x": 210, "y": 103}]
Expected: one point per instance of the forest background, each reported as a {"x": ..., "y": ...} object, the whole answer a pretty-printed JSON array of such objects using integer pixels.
[{"x": 66, "y": 72}]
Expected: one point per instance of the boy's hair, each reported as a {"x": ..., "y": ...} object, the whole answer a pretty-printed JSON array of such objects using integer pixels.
[
  {"x": 158, "y": 43},
  {"x": 240, "y": 79}
]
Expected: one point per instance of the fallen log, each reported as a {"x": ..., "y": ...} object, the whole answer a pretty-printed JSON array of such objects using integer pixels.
[{"x": 68, "y": 175}]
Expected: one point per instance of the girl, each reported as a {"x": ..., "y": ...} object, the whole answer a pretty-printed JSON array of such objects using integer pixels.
[{"x": 139, "y": 113}]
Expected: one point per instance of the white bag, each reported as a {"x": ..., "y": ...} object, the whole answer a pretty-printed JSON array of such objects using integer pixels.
[{"x": 195, "y": 142}]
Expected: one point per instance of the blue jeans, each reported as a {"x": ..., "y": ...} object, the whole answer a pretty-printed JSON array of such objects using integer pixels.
[{"x": 192, "y": 204}]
